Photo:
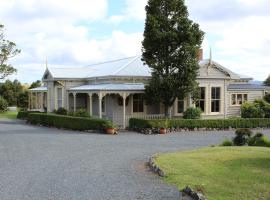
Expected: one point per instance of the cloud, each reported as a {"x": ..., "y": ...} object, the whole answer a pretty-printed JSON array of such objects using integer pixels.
[{"x": 62, "y": 30}]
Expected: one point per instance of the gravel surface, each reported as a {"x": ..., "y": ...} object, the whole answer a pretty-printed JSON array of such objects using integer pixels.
[{"x": 45, "y": 163}]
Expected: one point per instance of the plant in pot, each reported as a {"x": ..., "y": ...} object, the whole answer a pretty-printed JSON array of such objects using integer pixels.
[
  {"x": 110, "y": 128},
  {"x": 163, "y": 125}
]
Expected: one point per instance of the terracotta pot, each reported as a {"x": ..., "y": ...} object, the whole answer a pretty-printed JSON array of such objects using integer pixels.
[
  {"x": 162, "y": 131},
  {"x": 110, "y": 131}
]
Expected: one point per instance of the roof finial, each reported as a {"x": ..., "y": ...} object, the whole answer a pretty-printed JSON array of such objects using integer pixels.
[
  {"x": 46, "y": 62},
  {"x": 210, "y": 56}
]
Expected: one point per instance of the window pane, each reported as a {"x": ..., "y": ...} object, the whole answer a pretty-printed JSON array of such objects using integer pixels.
[
  {"x": 202, "y": 105},
  {"x": 245, "y": 97},
  {"x": 217, "y": 93},
  {"x": 213, "y": 93},
  {"x": 239, "y": 99},
  {"x": 215, "y": 105},
  {"x": 180, "y": 106},
  {"x": 137, "y": 103},
  {"x": 202, "y": 93},
  {"x": 233, "y": 99}
]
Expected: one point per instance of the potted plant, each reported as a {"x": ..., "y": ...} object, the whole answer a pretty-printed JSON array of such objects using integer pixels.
[
  {"x": 110, "y": 128},
  {"x": 163, "y": 127}
]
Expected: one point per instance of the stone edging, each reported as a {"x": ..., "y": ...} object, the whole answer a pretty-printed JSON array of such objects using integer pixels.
[
  {"x": 153, "y": 166},
  {"x": 193, "y": 194},
  {"x": 188, "y": 191}
]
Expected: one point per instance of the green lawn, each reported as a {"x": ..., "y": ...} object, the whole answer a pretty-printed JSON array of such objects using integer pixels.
[
  {"x": 222, "y": 173},
  {"x": 9, "y": 114}
]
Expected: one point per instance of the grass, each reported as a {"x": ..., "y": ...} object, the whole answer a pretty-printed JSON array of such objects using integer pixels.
[
  {"x": 221, "y": 173},
  {"x": 9, "y": 114}
]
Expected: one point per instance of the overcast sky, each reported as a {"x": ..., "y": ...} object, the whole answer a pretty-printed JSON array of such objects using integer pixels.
[{"x": 81, "y": 32}]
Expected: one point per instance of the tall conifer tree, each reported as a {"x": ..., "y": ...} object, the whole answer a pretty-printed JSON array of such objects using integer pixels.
[{"x": 170, "y": 47}]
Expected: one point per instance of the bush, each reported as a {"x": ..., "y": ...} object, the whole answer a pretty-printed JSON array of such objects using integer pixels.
[
  {"x": 79, "y": 113},
  {"x": 200, "y": 123},
  {"x": 251, "y": 110},
  {"x": 3, "y": 104},
  {"x": 68, "y": 122},
  {"x": 227, "y": 142},
  {"x": 267, "y": 97},
  {"x": 262, "y": 142},
  {"x": 192, "y": 113},
  {"x": 61, "y": 111},
  {"x": 242, "y": 137},
  {"x": 253, "y": 140},
  {"x": 23, "y": 114}
]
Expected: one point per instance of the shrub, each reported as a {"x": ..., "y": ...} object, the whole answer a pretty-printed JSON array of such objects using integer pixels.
[
  {"x": 81, "y": 113},
  {"x": 267, "y": 97},
  {"x": 192, "y": 113},
  {"x": 135, "y": 123},
  {"x": 242, "y": 137},
  {"x": 67, "y": 122},
  {"x": 227, "y": 142},
  {"x": 251, "y": 110},
  {"x": 253, "y": 140},
  {"x": 3, "y": 104},
  {"x": 200, "y": 123},
  {"x": 23, "y": 114},
  {"x": 262, "y": 142},
  {"x": 61, "y": 111}
]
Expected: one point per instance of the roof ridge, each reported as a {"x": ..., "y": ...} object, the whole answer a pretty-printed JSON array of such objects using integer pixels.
[
  {"x": 109, "y": 61},
  {"x": 124, "y": 66}
]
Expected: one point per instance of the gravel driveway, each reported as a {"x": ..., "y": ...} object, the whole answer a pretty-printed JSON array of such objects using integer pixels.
[{"x": 45, "y": 163}]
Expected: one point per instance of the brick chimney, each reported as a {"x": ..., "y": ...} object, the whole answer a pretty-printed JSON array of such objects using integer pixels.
[{"x": 200, "y": 55}]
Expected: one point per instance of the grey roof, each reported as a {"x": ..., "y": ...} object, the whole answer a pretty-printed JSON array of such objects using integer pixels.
[
  {"x": 248, "y": 87},
  {"x": 126, "y": 67},
  {"x": 132, "y": 66},
  {"x": 110, "y": 87},
  {"x": 39, "y": 89}
]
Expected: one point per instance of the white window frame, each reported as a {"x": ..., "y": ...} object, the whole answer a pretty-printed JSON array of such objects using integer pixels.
[
  {"x": 236, "y": 94},
  {"x": 56, "y": 97},
  {"x": 220, "y": 99}
]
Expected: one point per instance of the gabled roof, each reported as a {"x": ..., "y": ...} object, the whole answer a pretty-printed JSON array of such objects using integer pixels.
[
  {"x": 132, "y": 66},
  {"x": 210, "y": 63},
  {"x": 126, "y": 67}
]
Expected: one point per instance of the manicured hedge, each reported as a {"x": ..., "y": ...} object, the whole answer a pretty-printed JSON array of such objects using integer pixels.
[
  {"x": 200, "y": 123},
  {"x": 24, "y": 114},
  {"x": 67, "y": 122}
]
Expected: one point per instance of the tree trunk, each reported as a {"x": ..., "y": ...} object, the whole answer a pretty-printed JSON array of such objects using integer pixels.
[{"x": 168, "y": 112}]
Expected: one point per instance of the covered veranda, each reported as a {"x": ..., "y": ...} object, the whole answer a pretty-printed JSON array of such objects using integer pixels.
[
  {"x": 37, "y": 99},
  {"x": 108, "y": 100}
]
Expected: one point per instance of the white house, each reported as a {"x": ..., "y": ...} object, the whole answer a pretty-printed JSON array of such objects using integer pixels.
[{"x": 102, "y": 89}]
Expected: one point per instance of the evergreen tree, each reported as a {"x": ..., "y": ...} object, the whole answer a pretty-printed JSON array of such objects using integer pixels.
[
  {"x": 267, "y": 81},
  {"x": 170, "y": 47}
]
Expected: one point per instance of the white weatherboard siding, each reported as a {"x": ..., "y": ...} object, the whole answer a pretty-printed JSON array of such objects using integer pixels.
[{"x": 123, "y": 78}]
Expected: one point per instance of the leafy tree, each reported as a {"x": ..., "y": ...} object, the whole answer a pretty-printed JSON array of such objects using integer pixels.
[
  {"x": 3, "y": 104},
  {"x": 7, "y": 51},
  {"x": 267, "y": 81},
  {"x": 35, "y": 84},
  {"x": 170, "y": 47},
  {"x": 11, "y": 91}
]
